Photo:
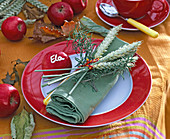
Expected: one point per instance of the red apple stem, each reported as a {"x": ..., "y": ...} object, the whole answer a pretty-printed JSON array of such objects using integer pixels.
[
  {"x": 61, "y": 9},
  {"x": 19, "y": 27}
]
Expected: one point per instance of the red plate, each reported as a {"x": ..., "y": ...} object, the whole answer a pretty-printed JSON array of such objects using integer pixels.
[
  {"x": 31, "y": 88},
  {"x": 151, "y": 19}
]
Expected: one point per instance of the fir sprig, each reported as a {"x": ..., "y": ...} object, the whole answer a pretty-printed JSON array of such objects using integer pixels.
[{"x": 82, "y": 44}]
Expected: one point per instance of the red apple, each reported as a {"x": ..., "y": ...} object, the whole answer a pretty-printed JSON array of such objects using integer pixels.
[
  {"x": 58, "y": 12},
  {"x": 9, "y": 100},
  {"x": 77, "y": 5},
  {"x": 13, "y": 28},
  {"x": 56, "y": 60}
]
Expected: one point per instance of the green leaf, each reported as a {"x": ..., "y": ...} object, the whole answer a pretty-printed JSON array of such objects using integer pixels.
[
  {"x": 18, "y": 61},
  {"x": 8, "y": 79},
  {"x": 93, "y": 27},
  {"x": 22, "y": 125}
]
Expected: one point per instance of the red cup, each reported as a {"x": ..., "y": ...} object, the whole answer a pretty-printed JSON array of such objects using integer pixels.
[{"x": 133, "y": 8}]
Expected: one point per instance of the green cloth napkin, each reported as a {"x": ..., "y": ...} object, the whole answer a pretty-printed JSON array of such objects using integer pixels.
[{"x": 77, "y": 107}]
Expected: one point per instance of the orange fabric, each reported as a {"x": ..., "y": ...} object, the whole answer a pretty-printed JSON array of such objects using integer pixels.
[{"x": 156, "y": 52}]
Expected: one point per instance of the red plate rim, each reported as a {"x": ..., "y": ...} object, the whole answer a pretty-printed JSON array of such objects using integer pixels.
[{"x": 31, "y": 81}]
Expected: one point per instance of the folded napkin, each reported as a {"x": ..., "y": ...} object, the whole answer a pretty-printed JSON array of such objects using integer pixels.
[{"x": 77, "y": 107}]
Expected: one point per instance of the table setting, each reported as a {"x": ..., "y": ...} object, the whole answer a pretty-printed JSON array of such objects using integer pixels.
[{"x": 84, "y": 69}]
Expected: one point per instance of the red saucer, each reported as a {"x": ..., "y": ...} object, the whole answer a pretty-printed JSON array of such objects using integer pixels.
[{"x": 153, "y": 18}]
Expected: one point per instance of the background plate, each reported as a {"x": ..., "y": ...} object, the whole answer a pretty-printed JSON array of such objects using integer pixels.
[{"x": 151, "y": 19}]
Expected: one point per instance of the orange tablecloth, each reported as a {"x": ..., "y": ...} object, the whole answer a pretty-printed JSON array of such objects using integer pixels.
[{"x": 151, "y": 120}]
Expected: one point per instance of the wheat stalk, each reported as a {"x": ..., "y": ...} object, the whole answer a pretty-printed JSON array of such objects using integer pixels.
[
  {"x": 4, "y": 4},
  {"x": 13, "y": 9},
  {"x": 39, "y": 5},
  {"x": 122, "y": 51},
  {"x": 107, "y": 41},
  {"x": 126, "y": 62}
]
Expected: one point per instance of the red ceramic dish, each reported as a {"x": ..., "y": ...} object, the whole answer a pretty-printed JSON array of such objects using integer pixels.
[
  {"x": 133, "y": 9},
  {"x": 31, "y": 88},
  {"x": 158, "y": 13}
]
